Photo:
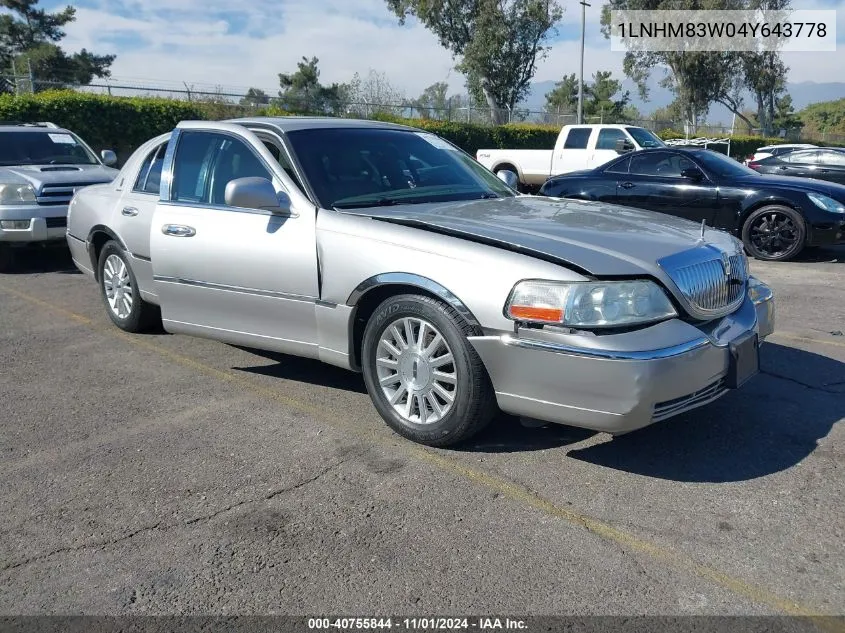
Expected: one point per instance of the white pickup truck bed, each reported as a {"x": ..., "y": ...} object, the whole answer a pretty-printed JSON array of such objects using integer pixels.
[{"x": 577, "y": 147}]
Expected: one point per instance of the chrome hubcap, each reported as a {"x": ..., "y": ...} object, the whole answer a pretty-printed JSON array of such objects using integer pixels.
[
  {"x": 118, "y": 286},
  {"x": 416, "y": 370}
]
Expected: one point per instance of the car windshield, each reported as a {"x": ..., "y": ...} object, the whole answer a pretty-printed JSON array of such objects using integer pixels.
[
  {"x": 43, "y": 148},
  {"x": 722, "y": 165},
  {"x": 645, "y": 138},
  {"x": 365, "y": 167}
]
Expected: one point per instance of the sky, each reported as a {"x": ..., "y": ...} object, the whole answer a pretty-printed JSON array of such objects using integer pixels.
[{"x": 208, "y": 43}]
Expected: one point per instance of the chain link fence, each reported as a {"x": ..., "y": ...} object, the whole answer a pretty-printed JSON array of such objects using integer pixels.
[{"x": 224, "y": 103}]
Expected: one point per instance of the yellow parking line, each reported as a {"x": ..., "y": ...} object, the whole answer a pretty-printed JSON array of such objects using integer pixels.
[
  {"x": 807, "y": 339},
  {"x": 507, "y": 489}
]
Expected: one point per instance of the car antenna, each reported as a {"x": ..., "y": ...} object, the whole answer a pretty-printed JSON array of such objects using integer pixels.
[{"x": 703, "y": 229}]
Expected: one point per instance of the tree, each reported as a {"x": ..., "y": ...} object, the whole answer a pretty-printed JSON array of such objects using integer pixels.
[
  {"x": 29, "y": 38},
  {"x": 302, "y": 91},
  {"x": 601, "y": 102},
  {"x": 255, "y": 97},
  {"x": 374, "y": 94},
  {"x": 433, "y": 102},
  {"x": 599, "y": 96},
  {"x": 563, "y": 98},
  {"x": 498, "y": 42}
]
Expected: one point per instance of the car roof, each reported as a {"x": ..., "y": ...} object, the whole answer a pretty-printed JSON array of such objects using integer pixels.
[{"x": 293, "y": 123}]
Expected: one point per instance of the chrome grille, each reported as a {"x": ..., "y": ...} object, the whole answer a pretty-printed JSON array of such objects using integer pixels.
[
  {"x": 663, "y": 410},
  {"x": 59, "y": 194},
  {"x": 712, "y": 286}
]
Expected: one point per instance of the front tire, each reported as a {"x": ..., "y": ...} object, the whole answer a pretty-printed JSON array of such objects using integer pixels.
[
  {"x": 774, "y": 233},
  {"x": 423, "y": 376},
  {"x": 120, "y": 292}
]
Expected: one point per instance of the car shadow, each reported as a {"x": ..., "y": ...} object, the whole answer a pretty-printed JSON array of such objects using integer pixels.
[
  {"x": 306, "y": 370},
  {"x": 768, "y": 426},
  {"x": 30, "y": 260},
  {"x": 823, "y": 255}
]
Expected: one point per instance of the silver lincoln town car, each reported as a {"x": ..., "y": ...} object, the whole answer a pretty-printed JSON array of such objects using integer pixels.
[{"x": 383, "y": 249}]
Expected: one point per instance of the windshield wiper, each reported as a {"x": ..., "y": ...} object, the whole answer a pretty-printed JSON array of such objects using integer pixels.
[
  {"x": 489, "y": 196},
  {"x": 381, "y": 202}
]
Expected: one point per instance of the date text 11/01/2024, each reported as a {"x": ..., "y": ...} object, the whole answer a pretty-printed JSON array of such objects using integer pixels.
[{"x": 417, "y": 624}]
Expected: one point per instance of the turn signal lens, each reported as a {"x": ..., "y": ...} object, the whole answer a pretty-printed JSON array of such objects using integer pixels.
[{"x": 528, "y": 313}]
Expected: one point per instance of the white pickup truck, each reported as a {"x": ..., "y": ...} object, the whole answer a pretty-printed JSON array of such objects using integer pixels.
[{"x": 577, "y": 147}]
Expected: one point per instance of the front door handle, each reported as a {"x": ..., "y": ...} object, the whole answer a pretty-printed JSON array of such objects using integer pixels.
[
  {"x": 129, "y": 211},
  {"x": 178, "y": 230},
  {"x": 783, "y": 168},
  {"x": 627, "y": 185}
]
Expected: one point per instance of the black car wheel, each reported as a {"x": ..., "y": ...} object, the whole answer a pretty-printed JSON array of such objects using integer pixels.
[
  {"x": 120, "y": 292},
  {"x": 774, "y": 233},
  {"x": 424, "y": 377}
]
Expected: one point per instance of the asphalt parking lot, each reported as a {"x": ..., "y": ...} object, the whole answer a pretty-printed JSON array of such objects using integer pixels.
[{"x": 151, "y": 474}]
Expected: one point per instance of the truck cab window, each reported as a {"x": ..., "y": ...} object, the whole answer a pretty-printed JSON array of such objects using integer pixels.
[{"x": 577, "y": 138}]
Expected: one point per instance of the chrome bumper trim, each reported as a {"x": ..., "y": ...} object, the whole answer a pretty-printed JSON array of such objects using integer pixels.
[{"x": 655, "y": 354}]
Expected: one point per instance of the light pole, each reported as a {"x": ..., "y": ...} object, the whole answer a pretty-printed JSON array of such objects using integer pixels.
[{"x": 584, "y": 6}]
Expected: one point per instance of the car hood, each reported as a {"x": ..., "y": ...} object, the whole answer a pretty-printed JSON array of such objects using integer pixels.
[
  {"x": 40, "y": 175},
  {"x": 794, "y": 182},
  {"x": 600, "y": 239}
]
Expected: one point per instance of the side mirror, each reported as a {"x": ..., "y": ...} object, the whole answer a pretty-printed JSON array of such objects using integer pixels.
[
  {"x": 693, "y": 173},
  {"x": 108, "y": 157},
  {"x": 508, "y": 177},
  {"x": 256, "y": 193},
  {"x": 623, "y": 145}
]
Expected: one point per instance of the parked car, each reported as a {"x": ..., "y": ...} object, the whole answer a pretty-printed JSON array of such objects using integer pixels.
[
  {"x": 823, "y": 163},
  {"x": 577, "y": 147},
  {"x": 41, "y": 165},
  {"x": 776, "y": 150},
  {"x": 383, "y": 249},
  {"x": 775, "y": 217}
]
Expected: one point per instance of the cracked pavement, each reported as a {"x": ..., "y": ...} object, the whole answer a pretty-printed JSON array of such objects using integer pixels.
[{"x": 162, "y": 474}]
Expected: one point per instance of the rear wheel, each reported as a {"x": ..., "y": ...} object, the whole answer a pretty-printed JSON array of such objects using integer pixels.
[
  {"x": 120, "y": 292},
  {"x": 425, "y": 379},
  {"x": 774, "y": 233}
]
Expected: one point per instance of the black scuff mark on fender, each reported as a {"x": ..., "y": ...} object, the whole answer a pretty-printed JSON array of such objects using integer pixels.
[{"x": 487, "y": 241}]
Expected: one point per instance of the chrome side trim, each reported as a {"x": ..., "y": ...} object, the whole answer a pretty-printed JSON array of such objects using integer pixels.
[
  {"x": 410, "y": 279},
  {"x": 228, "y": 288},
  {"x": 559, "y": 348}
]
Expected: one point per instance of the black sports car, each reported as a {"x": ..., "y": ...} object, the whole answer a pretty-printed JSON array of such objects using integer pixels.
[
  {"x": 775, "y": 216},
  {"x": 823, "y": 163}
]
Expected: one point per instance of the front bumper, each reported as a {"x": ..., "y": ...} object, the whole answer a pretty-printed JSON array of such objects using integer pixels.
[
  {"x": 620, "y": 382},
  {"x": 43, "y": 223},
  {"x": 827, "y": 233}
]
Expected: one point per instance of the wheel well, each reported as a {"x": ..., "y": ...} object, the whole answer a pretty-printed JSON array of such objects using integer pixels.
[
  {"x": 765, "y": 203},
  {"x": 507, "y": 166},
  {"x": 367, "y": 305},
  {"x": 97, "y": 241}
]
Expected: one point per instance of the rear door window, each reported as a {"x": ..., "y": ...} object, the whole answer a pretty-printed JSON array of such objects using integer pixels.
[{"x": 577, "y": 138}]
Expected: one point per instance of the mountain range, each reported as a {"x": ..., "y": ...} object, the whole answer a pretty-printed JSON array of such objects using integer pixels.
[{"x": 803, "y": 94}]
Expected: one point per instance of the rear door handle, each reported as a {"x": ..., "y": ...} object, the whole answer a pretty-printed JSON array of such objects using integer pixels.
[
  {"x": 129, "y": 211},
  {"x": 627, "y": 185},
  {"x": 178, "y": 230}
]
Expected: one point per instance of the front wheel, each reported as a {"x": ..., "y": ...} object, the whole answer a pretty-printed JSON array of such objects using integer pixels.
[
  {"x": 120, "y": 291},
  {"x": 774, "y": 233},
  {"x": 423, "y": 376}
]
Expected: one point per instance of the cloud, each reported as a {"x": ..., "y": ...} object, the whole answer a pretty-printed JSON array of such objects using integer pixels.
[{"x": 237, "y": 45}]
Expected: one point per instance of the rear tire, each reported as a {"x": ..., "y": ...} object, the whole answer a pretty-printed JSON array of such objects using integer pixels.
[
  {"x": 774, "y": 233},
  {"x": 424, "y": 377},
  {"x": 120, "y": 292}
]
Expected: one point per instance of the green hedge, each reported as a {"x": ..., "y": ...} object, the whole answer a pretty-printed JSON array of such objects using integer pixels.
[
  {"x": 104, "y": 122},
  {"x": 123, "y": 123}
]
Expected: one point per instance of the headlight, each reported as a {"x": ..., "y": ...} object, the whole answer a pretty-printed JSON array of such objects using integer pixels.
[
  {"x": 17, "y": 194},
  {"x": 593, "y": 304},
  {"x": 828, "y": 204}
]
